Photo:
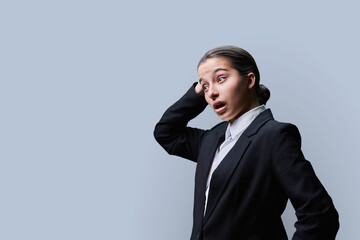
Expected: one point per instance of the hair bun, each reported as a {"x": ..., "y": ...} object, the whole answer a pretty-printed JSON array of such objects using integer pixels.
[{"x": 263, "y": 94}]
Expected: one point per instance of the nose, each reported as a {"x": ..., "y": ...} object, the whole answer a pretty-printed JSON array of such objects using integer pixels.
[{"x": 212, "y": 93}]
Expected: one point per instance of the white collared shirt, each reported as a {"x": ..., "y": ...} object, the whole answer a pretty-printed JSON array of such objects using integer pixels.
[{"x": 232, "y": 134}]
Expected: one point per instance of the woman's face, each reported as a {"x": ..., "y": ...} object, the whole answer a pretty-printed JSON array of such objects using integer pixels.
[{"x": 228, "y": 93}]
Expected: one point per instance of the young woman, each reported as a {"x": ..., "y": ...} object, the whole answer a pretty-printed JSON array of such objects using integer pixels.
[{"x": 249, "y": 165}]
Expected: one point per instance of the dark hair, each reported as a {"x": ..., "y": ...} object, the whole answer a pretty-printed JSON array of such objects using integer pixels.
[{"x": 244, "y": 63}]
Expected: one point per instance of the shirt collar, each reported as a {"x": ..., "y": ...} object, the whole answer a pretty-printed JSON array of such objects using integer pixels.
[{"x": 241, "y": 123}]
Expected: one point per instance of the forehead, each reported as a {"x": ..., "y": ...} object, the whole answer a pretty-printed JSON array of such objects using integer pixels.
[{"x": 212, "y": 64}]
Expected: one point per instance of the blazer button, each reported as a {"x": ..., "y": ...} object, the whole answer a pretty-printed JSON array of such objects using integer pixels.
[{"x": 198, "y": 235}]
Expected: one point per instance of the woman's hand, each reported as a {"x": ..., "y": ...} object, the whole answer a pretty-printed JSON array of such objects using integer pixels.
[{"x": 199, "y": 90}]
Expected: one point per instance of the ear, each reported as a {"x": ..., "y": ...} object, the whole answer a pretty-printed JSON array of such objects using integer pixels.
[{"x": 251, "y": 80}]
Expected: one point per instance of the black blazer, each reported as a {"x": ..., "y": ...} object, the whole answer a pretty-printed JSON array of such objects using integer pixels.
[{"x": 250, "y": 188}]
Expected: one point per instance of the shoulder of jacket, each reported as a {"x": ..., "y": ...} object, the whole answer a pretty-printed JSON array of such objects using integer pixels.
[
  {"x": 217, "y": 129},
  {"x": 219, "y": 126},
  {"x": 276, "y": 126}
]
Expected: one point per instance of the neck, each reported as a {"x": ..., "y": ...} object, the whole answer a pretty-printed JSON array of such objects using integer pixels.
[{"x": 245, "y": 110}]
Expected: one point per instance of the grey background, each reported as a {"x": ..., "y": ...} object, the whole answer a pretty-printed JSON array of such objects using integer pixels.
[{"x": 84, "y": 82}]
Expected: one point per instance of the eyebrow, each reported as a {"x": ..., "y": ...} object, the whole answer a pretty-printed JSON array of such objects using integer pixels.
[{"x": 215, "y": 71}]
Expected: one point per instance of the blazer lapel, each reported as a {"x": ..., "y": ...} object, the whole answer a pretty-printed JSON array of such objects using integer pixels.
[
  {"x": 226, "y": 168},
  {"x": 223, "y": 173},
  {"x": 203, "y": 168}
]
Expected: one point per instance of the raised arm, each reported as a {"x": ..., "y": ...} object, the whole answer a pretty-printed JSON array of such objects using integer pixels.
[{"x": 172, "y": 133}]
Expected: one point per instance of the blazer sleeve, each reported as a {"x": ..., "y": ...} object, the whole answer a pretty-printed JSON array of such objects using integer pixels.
[
  {"x": 315, "y": 211},
  {"x": 172, "y": 133}
]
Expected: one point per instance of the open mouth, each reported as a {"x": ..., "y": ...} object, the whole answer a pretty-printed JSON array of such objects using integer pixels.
[{"x": 219, "y": 107}]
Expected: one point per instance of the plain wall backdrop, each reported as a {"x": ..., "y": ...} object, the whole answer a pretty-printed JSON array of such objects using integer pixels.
[{"x": 83, "y": 84}]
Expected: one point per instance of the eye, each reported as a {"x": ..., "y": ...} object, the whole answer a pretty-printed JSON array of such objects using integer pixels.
[
  {"x": 221, "y": 79},
  {"x": 205, "y": 87}
]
